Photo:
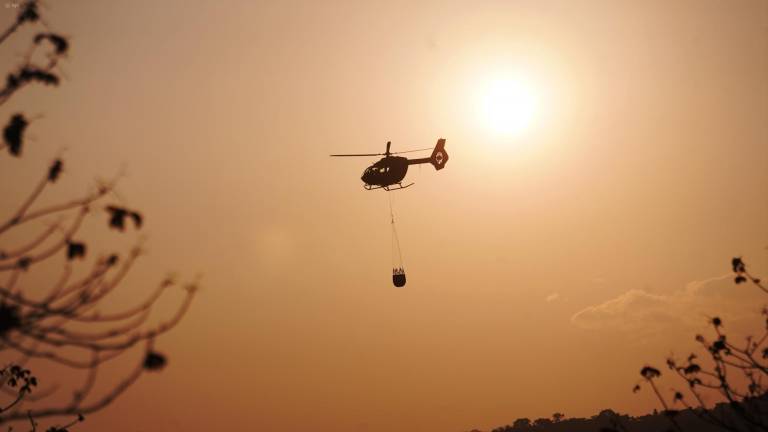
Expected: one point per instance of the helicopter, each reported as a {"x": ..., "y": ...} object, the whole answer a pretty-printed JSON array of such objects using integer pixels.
[{"x": 390, "y": 170}]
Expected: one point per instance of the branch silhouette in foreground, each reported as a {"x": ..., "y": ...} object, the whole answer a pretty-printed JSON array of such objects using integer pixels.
[
  {"x": 64, "y": 324},
  {"x": 723, "y": 389},
  {"x": 733, "y": 372}
]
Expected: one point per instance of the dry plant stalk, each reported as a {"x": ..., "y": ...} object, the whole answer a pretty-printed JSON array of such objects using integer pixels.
[{"x": 41, "y": 326}]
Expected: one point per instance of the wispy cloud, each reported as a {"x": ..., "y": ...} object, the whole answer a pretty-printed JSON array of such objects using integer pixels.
[
  {"x": 552, "y": 297},
  {"x": 639, "y": 310}
]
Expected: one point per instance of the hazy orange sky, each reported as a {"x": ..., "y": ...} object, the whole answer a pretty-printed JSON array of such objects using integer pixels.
[{"x": 544, "y": 268}]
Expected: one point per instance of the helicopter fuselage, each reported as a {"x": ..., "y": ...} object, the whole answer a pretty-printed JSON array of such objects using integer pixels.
[{"x": 388, "y": 171}]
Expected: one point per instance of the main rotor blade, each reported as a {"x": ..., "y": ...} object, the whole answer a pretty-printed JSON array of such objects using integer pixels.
[
  {"x": 411, "y": 151},
  {"x": 361, "y": 154}
]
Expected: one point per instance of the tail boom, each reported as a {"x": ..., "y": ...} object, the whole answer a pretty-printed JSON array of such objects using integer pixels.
[{"x": 438, "y": 158}]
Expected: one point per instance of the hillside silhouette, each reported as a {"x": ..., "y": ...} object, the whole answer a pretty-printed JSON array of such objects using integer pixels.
[{"x": 723, "y": 417}]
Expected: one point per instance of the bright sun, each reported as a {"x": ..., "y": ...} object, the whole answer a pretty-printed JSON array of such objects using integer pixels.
[{"x": 507, "y": 106}]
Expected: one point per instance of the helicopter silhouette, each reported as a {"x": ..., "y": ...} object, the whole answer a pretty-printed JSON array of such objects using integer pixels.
[{"x": 390, "y": 170}]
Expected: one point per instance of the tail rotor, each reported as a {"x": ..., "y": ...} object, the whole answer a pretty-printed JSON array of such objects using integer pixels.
[{"x": 439, "y": 156}]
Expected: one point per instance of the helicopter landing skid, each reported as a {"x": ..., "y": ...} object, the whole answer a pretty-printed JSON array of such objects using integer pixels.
[
  {"x": 399, "y": 186},
  {"x": 387, "y": 188}
]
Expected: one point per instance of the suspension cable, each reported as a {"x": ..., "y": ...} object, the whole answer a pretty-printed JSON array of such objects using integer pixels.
[{"x": 395, "y": 237}]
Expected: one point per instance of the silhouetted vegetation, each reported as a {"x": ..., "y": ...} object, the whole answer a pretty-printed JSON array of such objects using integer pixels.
[
  {"x": 733, "y": 373},
  {"x": 63, "y": 324},
  {"x": 610, "y": 421}
]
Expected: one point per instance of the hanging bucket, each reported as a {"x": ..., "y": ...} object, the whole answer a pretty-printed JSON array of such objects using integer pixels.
[
  {"x": 398, "y": 277},
  {"x": 398, "y": 271}
]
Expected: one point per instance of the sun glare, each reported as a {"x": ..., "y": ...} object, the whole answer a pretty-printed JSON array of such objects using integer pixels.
[{"x": 508, "y": 106}]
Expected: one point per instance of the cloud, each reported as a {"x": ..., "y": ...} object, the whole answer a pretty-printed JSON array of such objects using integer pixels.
[
  {"x": 691, "y": 307},
  {"x": 552, "y": 297}
]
